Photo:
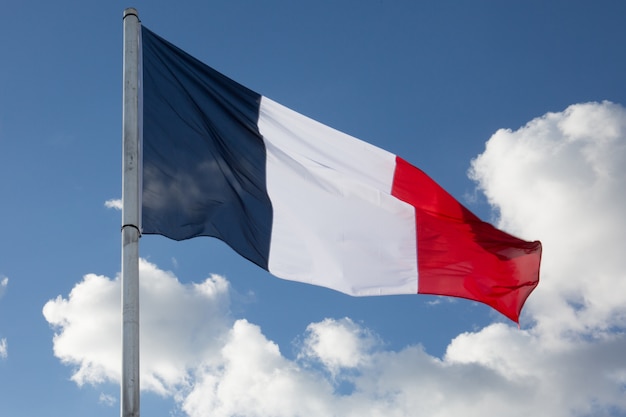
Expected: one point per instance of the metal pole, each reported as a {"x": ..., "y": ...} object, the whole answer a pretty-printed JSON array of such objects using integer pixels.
[{"x": 131, "y": 187}]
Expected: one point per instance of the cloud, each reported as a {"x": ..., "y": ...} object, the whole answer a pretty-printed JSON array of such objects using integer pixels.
[
  {"x": 338, "y": 345},
  {"x": 574, "y": 378},
  {"x": 498, "y": 371},
  {"x": 559, "y": 179},
  {"x": 273, "y": 385},
  {"x": 114, "y": 203},
  {"x": 107, "y": 400},
  {"x": 4, "y": 283},
  {"x": 178, "y": 327}
]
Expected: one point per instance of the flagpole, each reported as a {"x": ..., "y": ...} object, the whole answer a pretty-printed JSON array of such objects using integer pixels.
[{"x": 131, "y": 164}]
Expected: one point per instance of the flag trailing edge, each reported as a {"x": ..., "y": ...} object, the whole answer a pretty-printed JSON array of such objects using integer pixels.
[{"x": 306, "y": 202}]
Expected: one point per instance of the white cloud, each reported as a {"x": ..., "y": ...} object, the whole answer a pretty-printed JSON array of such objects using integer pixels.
[
  {"x": 178, "y": 326},
  {"x": 559, "y": 179},
  {"x": 114, "y": 203},
  {"x": 250, "y": 377},
  {"x": 338, "y": 345},
  {"x": 574, "y": 378},
  {"x": 4, "y": 283},
  {"x": 107, "y": 400},
  {"x": 498, "y": 371}
]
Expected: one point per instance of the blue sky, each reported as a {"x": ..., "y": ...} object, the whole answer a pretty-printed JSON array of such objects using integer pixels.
[{"x": 516, "y": 108}]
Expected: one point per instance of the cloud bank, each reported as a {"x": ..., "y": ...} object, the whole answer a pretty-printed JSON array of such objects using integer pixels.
[{"x": 560, "y": 178}]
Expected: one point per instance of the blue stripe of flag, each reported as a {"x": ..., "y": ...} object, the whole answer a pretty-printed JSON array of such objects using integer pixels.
[{"x": 204, "y": 171}]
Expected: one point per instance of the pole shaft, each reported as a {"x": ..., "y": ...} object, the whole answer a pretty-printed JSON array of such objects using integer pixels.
[{"x": 131, "y": 163}]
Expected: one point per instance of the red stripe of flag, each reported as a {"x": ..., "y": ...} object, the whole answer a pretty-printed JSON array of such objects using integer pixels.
[{"x": 460, "y": 255}]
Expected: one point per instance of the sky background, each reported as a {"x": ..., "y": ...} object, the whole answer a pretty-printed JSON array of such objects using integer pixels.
[{"x": 517, "y": 108}]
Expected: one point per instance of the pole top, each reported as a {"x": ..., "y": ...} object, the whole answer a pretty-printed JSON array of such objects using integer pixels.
[{"x": 131, "y": 11}]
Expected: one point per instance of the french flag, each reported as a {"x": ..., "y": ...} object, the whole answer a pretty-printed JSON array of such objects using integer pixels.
[{"x": 306, "y": 202}]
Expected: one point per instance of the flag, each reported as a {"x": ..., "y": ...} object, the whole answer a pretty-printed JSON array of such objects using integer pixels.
[{"x": 306, "y": 202}]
